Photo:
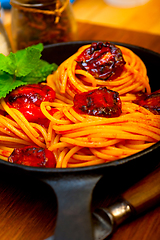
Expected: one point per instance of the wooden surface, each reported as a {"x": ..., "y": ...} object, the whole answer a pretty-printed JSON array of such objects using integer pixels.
[
  {"x": 143, "y": 18},
  {"x": 28, "y": 207},
  {"x": 88, "y": 31}
]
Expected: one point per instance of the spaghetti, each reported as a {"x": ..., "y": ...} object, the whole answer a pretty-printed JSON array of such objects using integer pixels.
[
  {"x": 76, "y": 139},
  {"x": 69, "y": 79}
]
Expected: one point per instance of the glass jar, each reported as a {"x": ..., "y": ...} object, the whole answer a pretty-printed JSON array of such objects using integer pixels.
[{"x": 46, "y": 22}]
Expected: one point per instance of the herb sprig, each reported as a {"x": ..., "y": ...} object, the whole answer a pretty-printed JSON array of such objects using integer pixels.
[{"x": 23, "y": 67}]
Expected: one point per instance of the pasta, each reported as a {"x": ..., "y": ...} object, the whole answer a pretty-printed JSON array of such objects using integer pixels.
[
  {"x": 69, "y": 80},
  {"x": 78, "y": 140},
  {"x": 93, "y": 140}
]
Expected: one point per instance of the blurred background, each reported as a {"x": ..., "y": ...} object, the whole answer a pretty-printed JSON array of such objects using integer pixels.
[
  {"x": 138, "y": 15},
  {"x": 134, "y": 15}
]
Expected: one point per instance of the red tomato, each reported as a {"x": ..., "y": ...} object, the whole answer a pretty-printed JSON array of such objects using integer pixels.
[
  {"x": 152, "y": 102},
  {"x": 33, "y": 156},
  {"x": 27, "y": 100},
  {"x": 101, "y": 60},
  {"x": 99, "y": 102}
]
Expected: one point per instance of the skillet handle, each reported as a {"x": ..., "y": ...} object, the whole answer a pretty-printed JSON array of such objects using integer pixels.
[
  {"x": 74, "y": 195},
  {"x": 146, "y": 193}
]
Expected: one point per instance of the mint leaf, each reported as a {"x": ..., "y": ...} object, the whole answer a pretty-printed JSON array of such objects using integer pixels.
[
  {"x": 22, "y": 62},
  {"x": 40, "y": 73},
  {"x": 23, "y": 67},
  {"x": 27, "y": 59},
  {"x": 7, "y": 84},
  {"x": 38, "y": 46},
  {"x": 8, "y": 64}
]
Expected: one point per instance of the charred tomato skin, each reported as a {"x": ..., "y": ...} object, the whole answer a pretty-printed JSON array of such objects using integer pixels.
[
  {"x": 98, "y": 102},
  {"x": 101, "y": 60},
  {"x": 33, "y": 156},
  {"x": 27, "y": 100},
  {"x": 151, "y": 102}
]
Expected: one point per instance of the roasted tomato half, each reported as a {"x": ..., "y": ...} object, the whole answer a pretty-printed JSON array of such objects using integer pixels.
[
  {"x": 33, "y": 156},
  {"x": 151, "y": 102},
  {"x": 101, "y": 60},
  {"x": 27, "y": 100},
  {"x": 99, "y": 102}
]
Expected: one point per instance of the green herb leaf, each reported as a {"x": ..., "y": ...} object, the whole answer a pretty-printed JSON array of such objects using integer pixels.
[
  {"x": 23, "y": 67},
  {"x": 26, "y": 60},
  {"x": 7, "y": 84},
  {"x": 8, "y": 64},
  {"x": 39, "y": 74}
]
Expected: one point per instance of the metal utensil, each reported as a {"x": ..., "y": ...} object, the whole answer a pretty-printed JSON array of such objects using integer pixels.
[
  {"x": 139, "y": 198},
  {"x": 5, "y": 46}
]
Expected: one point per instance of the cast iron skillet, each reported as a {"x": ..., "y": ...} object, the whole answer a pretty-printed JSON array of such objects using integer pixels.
[{"x": 73, "y": 187}]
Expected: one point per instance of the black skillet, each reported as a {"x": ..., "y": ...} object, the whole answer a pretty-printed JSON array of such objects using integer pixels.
[{"x": 74, "y": 187}]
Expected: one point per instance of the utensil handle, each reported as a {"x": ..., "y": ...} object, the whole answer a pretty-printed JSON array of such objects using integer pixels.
[
  {"x": 5, "y": 48},
  {"x": 146, "y": 193},
  {"x": 74, "y": 196}
]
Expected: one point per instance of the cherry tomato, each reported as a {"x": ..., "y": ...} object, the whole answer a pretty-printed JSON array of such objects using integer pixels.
[
  {"x": 101, "y": 60},
  {"x": 99, "y": 102},
  {"x": 151, "y": 102},
  {"x": 33, "y": 156},
  {"x": 27, "y": 100}
]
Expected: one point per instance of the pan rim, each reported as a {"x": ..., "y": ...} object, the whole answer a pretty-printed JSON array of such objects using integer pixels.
[{"x": 115, "y": 163}]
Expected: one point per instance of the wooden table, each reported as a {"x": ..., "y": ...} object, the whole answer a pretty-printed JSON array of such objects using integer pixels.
[
  {"x": 96, "y": 32},
  {"x": 28, "y": 207}
]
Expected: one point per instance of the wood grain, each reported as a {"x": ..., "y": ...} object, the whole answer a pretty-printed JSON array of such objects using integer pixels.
[
  {"x": 145, "y": 194},
  {"x": 27, "y": 209},
  {"x": 144, "y": 18},
  {"x": 88, "y": 31}
]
